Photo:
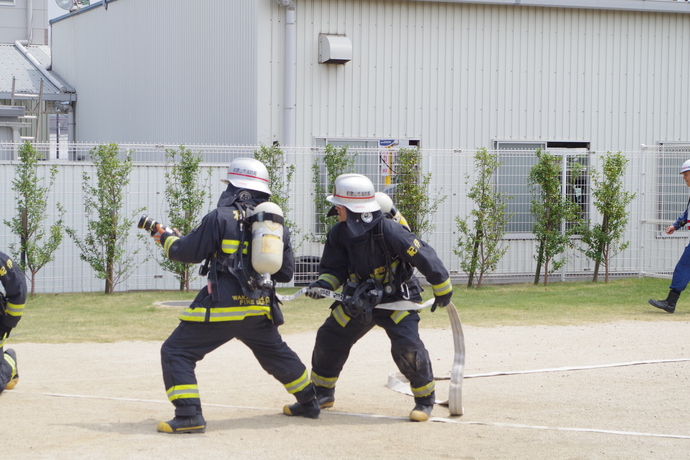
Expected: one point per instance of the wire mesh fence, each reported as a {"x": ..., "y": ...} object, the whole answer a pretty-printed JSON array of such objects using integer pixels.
[{"x": 651, "y": 173}]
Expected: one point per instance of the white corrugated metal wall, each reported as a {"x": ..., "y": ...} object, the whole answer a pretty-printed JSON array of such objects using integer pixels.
[
  {"x": 452, "y": 75},
  {"x": 464, "y": 75},
  {"x": 651, "y": 174},
  {"x": 162, "y": 71}
]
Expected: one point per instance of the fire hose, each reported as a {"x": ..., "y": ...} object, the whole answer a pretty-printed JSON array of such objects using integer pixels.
[{"x": 397, "y": 381}]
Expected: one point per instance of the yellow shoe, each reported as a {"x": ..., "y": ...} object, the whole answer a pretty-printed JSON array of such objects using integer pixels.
[
  {"x": 421, "y": 413},
  {"x": 11, "y": 358}
]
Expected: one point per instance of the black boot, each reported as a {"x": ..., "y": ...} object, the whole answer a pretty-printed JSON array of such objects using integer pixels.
[
  {"x": 421, "y": 412},
  {"x": 325, "y": 397},
  {"x": 309, "y": 409},
  {"x": 11, "y": 359},
  {"x": 669, "y": 304},
  {"x": 193, "y": 424}
]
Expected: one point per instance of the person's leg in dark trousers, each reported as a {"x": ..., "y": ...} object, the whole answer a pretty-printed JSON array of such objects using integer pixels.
[{"x": 187, "y": 345}]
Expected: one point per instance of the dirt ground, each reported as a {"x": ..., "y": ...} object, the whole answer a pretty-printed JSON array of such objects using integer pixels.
[{"x": 87, "y": 401}]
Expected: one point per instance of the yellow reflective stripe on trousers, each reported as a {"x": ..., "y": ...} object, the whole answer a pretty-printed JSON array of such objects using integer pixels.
[
  {"x": 443, "y": 288},
  {"x": 231, "y": 246},
  {"x": 398, "y": 315},
  {"x": 299, "y": 384},
  {"x": 340, "y": 316},
  {"x": 327, "y": 382},
  {"x": 14, "y": 309},
  {"x": 183, "y": 391},
  {"x": 426, "y": 390},
  {"x": 225, "y": 313},
  {"x": 13, "y": 365}
]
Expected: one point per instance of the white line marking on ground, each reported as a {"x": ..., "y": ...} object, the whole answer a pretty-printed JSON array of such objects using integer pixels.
[
  {"x": 578, "y": 368},
  {"x": 388, "y": 417}
]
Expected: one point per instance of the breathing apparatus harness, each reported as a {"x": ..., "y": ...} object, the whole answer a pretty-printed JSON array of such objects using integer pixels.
[
  {"x": 239, "y": 263},
  {"x": 361, "y": 297}
]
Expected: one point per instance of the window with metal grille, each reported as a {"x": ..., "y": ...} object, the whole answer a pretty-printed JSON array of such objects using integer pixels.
[
  {"x": 671, "y": 188},
  {"x": 518, "y": 158}
]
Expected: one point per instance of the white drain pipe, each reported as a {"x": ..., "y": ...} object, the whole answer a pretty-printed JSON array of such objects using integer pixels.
[
  {"x": 290, "y": 70},
  {"x": 48, "y": 76},
  {"x": 29, "y": 23}
]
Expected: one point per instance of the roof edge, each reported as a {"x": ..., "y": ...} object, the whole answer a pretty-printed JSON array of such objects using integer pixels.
[{"x": 649, "y": 6}]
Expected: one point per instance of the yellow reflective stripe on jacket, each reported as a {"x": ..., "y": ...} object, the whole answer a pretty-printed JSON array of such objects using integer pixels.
[
  {"x": 330, "y": 279},
  {"x": 225, "y": 313},
  {"x": 168, "y": 242},
  {"x": 443, "y": 288},
  {"x": 183, "y": 391},
  {"x": 231, "y": 246},
  {"x": 327, "y": 382},
  {"x": 340, "y": 316},
  {"x": 14, "y": 310},
  {"x": 426, "y": 390},
  {"x": 398, "y": 315},
  {"x": 299, "y": 384}
]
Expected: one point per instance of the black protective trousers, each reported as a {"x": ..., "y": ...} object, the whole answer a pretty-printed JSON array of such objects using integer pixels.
[
  {"x": 334, "y": 342},
  {"x": 191, "y": 341}
]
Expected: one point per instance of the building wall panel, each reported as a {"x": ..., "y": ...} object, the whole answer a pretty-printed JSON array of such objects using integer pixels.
[
  {"x": 155, "y": 74},
  {"x": 463, "y": 75}
]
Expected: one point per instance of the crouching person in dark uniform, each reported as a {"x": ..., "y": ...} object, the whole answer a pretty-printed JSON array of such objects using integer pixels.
[
  {"x": 11, "y": 309},
  {"x": 373, "y": 258},
  {"x": 238, "y": 302}
]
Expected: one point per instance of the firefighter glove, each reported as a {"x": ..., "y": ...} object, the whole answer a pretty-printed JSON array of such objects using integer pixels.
[
  {"x": 441, "y": 301},
  {"x": 157, "y": 232},
  {"x": 315, "y": 286},
  {"x": 4, "y": 331}
]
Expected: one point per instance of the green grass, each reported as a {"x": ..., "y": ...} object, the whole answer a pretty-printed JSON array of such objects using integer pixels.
[{"x": 96, "y": 317}]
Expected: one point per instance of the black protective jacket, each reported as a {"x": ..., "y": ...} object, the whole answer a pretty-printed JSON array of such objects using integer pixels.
[
  {"x": 385, "y": 252},
  {"x": 14, "y": 283},
  {"x": 218, "y": 239}
]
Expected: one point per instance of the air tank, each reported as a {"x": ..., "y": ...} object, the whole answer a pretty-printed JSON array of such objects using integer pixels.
[{"x": 267, "y": 239}]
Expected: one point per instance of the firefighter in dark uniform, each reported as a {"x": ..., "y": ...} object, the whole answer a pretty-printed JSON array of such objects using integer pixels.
[
  {"x": 232, "y": 305},
  {"x": 11, "y": 309},
  {"x": 373, "y": 258}
]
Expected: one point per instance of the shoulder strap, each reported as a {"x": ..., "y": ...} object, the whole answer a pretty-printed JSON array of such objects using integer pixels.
[{"x": 380, "y": 239}]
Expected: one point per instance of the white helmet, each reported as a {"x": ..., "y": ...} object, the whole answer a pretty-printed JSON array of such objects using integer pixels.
[
  {"x": 355, "y": 192},
  {"x": 387, "y": 207},
  {"x": 386, "y": 203},
  {"x": 248, "y": 174},
  {"x": 685, "y": 167}
]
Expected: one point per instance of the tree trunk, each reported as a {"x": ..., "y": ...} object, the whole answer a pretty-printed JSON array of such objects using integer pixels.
[
  {"x": 33, "y": 282},
  {"x": 540, "y": 259},
  {"x": 473, "y": 260},
  {"x": 600, "y": 250}
]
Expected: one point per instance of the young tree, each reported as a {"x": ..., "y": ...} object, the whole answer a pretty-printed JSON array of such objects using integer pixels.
[
  {"x": 479, "y": 246},
  {"x": 336, "y": 161},
  {"x": 33, "y": 251},
  {"x": 603, "y": 240},
  {"x": 280, "y": 175},
  {"x": 412, "y": 191},
  {"x": 185, "y": 203},
  {"x": 103, "y": 246},
  {"x": 551, "y": 209}
]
